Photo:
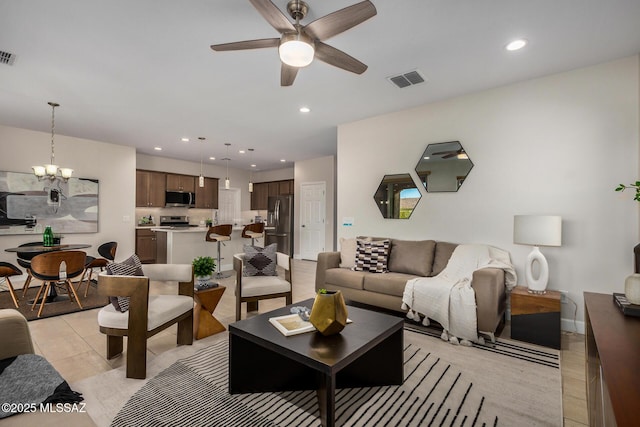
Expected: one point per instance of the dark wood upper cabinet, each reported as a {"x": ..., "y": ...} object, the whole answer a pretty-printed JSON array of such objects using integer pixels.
[
  {"x": 262, "y": 191},
  {"x": 150, "y": 188},
  {"x": 176, "y": 182},
  {"x": 207, "y": 196}
]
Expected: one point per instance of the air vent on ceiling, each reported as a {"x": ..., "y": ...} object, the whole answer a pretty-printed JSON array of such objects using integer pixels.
[
  {"x": 7, "y": 58},
  {"x": 407, "y": 79}
]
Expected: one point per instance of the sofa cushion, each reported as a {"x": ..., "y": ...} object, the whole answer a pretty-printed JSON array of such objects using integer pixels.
[
  {"x": 344, "y": 277},
  {"x": 347, "y": 252},
  {"x": 442, "y": 254},
  {"x": 412, "y": 256},
  {"x": 372, "y": 256},
  {"x": 162, "y": 308},
  {"x": 389, "y": 284}
]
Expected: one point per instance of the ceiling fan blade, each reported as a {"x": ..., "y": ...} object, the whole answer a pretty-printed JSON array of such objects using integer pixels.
[
  {"x": 338, "y": 58},
  {"x": 273, "y": 15},
  {"x": 341, "y": 20},
  {"x": 247, "y": 44},
  {"x": 288, "y": 74}
]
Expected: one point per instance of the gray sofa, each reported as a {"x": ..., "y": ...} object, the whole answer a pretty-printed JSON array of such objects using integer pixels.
[{"x": 408, "y": 260}]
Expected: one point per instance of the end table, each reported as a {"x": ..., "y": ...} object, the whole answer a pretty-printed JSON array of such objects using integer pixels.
[
  {"x": 535, "y": 318},
  {"x": 204, "y": 323}
]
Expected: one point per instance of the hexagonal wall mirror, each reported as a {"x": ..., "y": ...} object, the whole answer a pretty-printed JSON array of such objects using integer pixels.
[
  {"x": 443, "y": 167},
  {"x": 397, "y": 196}
]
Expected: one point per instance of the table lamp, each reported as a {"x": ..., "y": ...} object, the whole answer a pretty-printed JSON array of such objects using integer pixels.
[{"x": 537, "y": 230}]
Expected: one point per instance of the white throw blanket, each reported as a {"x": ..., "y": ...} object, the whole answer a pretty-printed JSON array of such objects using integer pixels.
[{"x": 448, "y": 298}]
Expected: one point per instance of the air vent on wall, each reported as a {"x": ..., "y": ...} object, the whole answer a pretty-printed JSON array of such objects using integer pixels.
[
  {"x": 407, "y": 79},
  {"x": 7, "y": 58}
]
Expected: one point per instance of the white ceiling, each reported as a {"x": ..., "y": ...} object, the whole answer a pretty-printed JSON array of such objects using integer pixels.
[{"x": 141, "y": 73}]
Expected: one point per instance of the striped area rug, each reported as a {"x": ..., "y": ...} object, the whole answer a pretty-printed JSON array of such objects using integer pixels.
[{"x": 504, "y": 384}]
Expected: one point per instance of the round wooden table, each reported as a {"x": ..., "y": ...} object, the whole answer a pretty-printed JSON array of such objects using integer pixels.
[{"x": 43, "y": 249}]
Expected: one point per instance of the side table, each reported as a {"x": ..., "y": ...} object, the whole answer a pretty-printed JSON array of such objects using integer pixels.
[
  {"x": 535, "y": 318},
  {"x": 204, "y": 323}
]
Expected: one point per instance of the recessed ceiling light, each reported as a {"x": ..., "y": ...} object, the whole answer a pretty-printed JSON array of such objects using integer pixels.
[
  {"x": 305, "y": 109},
  {"x": 184, "y": 139},
  {"x": 212, "y": 158},
  {"x": 516, "y": 44},
  {"x": 241, "y": 151},
  {"x": 157, "y": 148},
  {"x": 253, "y": 166},
  {"x": 282, "y": 160},
  {"x": 426, "y": 157}
]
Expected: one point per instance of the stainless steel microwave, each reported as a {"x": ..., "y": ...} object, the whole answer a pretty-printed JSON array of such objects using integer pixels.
[{"x": 183, "y": 199}]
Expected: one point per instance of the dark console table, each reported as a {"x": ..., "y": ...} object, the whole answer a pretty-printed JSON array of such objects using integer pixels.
[{"x": 613, "y": 362}]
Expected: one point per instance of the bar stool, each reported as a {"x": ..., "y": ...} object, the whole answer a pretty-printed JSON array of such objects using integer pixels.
[
  {"x": 219, "y": 234},
  {"x": 253, "y": 231},
  {"x": 7, "y": 270}
]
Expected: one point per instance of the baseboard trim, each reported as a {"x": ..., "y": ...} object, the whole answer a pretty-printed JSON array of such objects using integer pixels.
[{"x": 568, "y": 325}]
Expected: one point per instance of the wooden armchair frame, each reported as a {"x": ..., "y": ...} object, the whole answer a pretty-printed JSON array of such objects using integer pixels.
[
  {"x": 283, "y": 261},
  {"x": 137, "y": 288}
]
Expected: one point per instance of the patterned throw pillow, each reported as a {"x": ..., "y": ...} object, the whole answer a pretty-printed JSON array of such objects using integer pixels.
[
  {"x": 372, "y": 256},
  {"x": 260, "y": 261},
  {"x": 129, "y": 267}
]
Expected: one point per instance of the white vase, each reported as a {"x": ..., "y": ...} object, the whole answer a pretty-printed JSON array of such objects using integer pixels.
[
  {"x": 632, "y": 288},
  {"x": 202, "y": 281}
]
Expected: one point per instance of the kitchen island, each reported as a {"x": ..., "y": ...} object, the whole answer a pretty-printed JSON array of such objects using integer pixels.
[{"x": 183, "y": 244}]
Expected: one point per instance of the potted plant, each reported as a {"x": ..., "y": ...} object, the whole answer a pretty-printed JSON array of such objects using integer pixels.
[
  {"x": 635, "y": 186},
  {"x": 203, "y": 266}
]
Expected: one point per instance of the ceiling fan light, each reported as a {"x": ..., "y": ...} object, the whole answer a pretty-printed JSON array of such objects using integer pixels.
[{"x": 296, "y": 50}]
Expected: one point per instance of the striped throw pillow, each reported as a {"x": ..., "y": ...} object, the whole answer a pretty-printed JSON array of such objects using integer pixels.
[{"x": 372, "y": 256}]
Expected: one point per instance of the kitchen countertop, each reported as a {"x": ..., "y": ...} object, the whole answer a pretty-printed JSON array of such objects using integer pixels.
[{"x": 187, "y": 229}]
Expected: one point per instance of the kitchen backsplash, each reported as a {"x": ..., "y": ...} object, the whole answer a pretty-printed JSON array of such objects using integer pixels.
[{"x": 196, "y": 216}]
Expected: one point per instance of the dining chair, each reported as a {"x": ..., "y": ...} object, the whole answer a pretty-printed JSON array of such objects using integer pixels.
[
  {"x": 108, "y": 253},
  {"x": 251, "y": 289},
  {"x": 7, "y": 270},
  {"x": 24, "y": 261},
  {"x": 48, "y": 268}
]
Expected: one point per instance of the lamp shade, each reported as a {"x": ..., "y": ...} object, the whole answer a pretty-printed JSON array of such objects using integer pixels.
[{"x": 537, "y": 230}]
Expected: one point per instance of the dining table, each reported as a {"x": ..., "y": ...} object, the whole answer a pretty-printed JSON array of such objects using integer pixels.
[{"x": 41, "y": 249}]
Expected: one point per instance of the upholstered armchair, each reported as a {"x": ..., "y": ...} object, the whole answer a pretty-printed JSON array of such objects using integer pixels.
[
  {"x": 255, "y": 288},
  {"x": 147, "y": 314}
]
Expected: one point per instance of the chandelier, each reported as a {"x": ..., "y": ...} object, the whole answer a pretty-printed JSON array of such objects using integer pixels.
[{"x": 51, "y": 170}]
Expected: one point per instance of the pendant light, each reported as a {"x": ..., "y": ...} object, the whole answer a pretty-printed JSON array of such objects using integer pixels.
[
  {"x": 251, "y": 170},
  {"x": 201, "y": 178},
  {"x": 51, "y": 170},
  {"x": 227, "y": 183}
]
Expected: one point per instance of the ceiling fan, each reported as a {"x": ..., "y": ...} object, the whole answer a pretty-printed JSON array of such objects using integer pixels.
[{"x": 299, "y": 44}]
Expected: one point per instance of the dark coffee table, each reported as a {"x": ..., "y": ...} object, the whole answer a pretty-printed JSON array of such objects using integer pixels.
[{"x": 367, "y": 353}]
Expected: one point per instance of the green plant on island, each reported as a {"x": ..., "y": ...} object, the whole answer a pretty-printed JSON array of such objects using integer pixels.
[
  {"x": 203, "y": 266},
  {"x": 635, "y": 186}
]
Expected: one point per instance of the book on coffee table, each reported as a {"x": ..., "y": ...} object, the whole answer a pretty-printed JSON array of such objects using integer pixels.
[
  {"x": 627, "y": 308},
  {"x": 291, "y": 324}
]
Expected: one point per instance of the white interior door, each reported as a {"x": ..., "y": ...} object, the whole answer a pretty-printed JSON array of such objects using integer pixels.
[{"x": 312, "y": 219}]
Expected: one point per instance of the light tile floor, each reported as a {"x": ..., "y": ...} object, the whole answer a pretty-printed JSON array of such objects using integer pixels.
[{"x": 76, "y": 348}]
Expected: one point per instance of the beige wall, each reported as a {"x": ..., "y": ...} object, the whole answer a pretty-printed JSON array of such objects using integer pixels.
[
  {"x": 274, "y": 175},
  {"x": 113, "y": 165},
  {"x": 555, "y": 145},
  {"x": 316, "y": 170}
]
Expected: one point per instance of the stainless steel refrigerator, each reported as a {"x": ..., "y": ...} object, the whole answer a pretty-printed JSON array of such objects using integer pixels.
[{"x": 279, "y": 227}]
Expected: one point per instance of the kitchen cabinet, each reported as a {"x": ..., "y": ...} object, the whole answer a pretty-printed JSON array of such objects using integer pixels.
[
  {"x": 285, "y": 187},
  {"x": 207, "y": 196},
  {"x": 150, "y": 188},
  {"x": 262, "y": 191},
  {"x": 260, "y": 196},
  {"x": 176, "y": 182},
  {"x": 146, "y": 246}
]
